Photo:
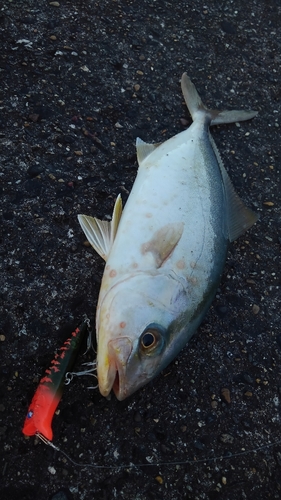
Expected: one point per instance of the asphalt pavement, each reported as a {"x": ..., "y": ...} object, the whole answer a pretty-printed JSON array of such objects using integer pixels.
[{"x": 80, "y": 80}]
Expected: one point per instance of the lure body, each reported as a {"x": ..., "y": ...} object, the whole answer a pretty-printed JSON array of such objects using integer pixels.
[{"x": 49, "y": 392}]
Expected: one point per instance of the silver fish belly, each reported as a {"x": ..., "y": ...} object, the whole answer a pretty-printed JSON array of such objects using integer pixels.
[{"x": 165, "y": 252}]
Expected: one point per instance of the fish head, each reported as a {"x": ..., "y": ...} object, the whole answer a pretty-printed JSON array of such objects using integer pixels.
[{"x": 139, "y": 328}]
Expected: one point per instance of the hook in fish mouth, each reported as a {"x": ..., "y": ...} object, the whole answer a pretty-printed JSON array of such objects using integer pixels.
[{"x": 119, "y": 351}]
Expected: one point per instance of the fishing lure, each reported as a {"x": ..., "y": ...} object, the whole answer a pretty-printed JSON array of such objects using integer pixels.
[{"x": 49, "y": 392}]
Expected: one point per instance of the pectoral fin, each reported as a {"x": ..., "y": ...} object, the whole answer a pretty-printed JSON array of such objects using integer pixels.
[
  {"x": 163, "y": 242},
  {"x": 101, "y": 233},
  {"x": 239, "y": 217}
]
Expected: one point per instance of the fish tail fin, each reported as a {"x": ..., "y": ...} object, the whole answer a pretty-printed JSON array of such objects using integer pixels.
[{"x": 196, "y": 106}]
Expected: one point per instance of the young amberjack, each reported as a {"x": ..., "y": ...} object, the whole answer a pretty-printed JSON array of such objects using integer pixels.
[{"x": 166, "y": 252}]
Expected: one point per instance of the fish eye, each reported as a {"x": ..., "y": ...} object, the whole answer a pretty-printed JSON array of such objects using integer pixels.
[
  {"x": 151, "y": 339},
  {"x": 148, "y": 339}
]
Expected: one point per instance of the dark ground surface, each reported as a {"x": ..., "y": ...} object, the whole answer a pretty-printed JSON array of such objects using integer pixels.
[{"x": 70, "y": 76}]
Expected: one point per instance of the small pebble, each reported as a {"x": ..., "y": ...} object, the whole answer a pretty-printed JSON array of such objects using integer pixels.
[
  {"x": 226, "y": 395},
  {"x": 139, "y": 72},
  {"x": 268, "y": 203},
  {"x": 85, "y": 68},
  {"x": 2, "y": 338},
  {"x": 137, "y": 87},
  {"x": 184, "y": 122},
  {"x": 198, "y": 444},
  {"x": 34, "y": 117},
  {"x": 53, "y": 37},
  {"x": 159, "y": 479},
  {"x": 54, "y": 4},
  {"x": 256, "y": 309},
  {"x": 226, "y": 438},
  {"x": 248, "y": 394}
]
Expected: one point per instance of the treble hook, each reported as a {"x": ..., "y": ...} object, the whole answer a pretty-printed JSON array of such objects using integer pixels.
[{"x": 69, "y": 375}]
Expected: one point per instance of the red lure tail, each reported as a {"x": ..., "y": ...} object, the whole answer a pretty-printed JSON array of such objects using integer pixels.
[{"x": 49, "y": 392}]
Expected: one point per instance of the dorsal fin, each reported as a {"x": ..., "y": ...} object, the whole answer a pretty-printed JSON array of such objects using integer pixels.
[
  {"x": 100, "y": 233},
  {"x": 239, "y": 217},
  {"x": 144, "y": 149}
]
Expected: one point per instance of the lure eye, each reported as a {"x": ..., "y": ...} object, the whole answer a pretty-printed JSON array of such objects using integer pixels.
[{"x": 151, "y": 339}]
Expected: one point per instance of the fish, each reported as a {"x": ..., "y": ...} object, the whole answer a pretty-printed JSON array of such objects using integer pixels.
[
  {"x": 38, "y": 420},
  {"x": 165, "y": 252}
]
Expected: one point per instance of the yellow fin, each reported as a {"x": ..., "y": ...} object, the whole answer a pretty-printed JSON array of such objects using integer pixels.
[
  {"x": 163, "y": 242},
  {"x": 100, "y": 233}
]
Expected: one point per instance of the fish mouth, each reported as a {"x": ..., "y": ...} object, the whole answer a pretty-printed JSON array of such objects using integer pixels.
[
  {"x": 116, "y": 384},
  {"x": 119, "y": 351}
]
